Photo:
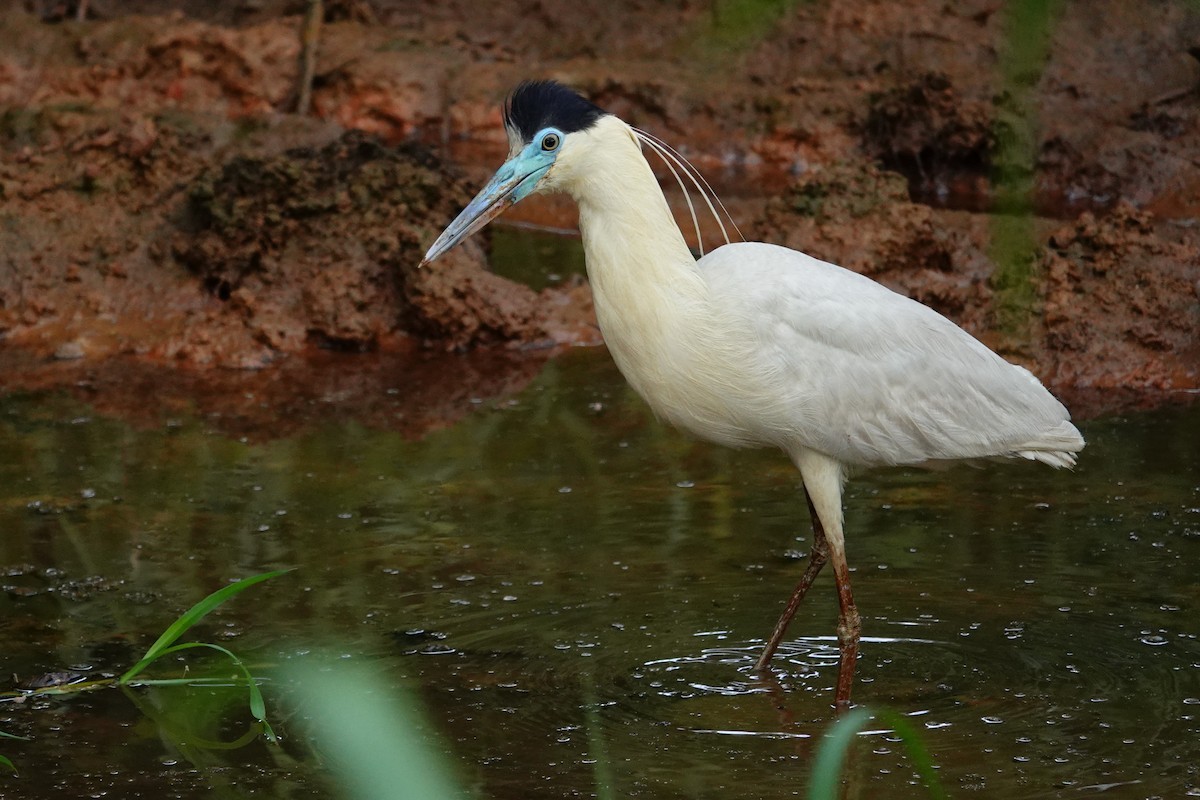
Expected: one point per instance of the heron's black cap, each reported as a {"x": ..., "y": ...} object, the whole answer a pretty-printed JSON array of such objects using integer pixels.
[{"x": 535, "y": 105}]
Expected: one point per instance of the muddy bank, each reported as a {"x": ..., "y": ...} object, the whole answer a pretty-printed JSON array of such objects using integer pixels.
[
  {"x": 161, "y": 204},
  {"x": 322, "y": 246},
  {"x": 141, "y": 237},
  {"x": 157, "y": 205}
]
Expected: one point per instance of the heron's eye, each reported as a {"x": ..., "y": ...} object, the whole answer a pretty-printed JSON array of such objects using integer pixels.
[{"x": 550, "y": 142}]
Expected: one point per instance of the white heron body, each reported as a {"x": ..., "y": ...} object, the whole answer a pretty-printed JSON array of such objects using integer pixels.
[{"x": 759, "y": 345}]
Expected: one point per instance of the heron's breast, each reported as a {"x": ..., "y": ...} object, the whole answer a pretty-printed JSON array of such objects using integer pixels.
[{"x": 690, "y": 366}]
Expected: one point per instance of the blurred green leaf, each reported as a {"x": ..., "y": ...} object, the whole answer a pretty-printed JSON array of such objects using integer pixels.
[
  {"x": 378, "y": 740},
  {"x": 827, "y": 771}
]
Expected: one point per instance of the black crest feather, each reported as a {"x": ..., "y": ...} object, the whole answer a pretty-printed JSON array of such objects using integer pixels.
[{"x": 535, "y": 105}]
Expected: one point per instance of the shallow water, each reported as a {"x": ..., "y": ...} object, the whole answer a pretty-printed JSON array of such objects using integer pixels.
[{"x": 577, "y": 595}]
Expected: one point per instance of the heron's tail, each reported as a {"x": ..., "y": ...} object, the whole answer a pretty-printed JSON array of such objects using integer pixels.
[{"x": 1056, "y": 447}]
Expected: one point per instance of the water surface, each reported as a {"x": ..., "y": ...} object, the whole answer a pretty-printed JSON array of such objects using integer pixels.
[{"x": 574, "y": 591}]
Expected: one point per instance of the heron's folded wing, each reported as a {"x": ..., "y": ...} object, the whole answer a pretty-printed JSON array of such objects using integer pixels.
[{"x": 876, "y": 378}]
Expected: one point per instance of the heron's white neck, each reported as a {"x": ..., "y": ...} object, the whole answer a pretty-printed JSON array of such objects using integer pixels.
[
  {"x": 638, "y": 263},
  {"x": 651, "y": 301}
]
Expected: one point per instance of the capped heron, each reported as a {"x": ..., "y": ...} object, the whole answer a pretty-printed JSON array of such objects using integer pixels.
[{"x": 758, "y": 345}]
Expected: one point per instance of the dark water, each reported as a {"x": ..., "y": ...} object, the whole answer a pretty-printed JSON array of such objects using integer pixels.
[{"x": 577, "y": 595}]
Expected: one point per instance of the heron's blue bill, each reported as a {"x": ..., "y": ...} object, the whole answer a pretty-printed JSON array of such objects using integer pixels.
[{"x": 512, "y": 182}]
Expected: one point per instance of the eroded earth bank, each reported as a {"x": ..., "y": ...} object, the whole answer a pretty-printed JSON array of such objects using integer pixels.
[{"x": 166, "y": 215}]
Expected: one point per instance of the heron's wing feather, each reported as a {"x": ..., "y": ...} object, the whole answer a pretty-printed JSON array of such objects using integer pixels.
[{"x": 873, "y": 377}]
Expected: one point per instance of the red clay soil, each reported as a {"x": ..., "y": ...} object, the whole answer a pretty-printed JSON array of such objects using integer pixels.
[{"x": 163, "y": 213}]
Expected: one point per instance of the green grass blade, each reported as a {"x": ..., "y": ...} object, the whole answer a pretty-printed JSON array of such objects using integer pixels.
[
  {"x": 827, "y": 772},
  {"x": 189, "y": 741},
  {"x": 4, "y": 762},
  {"x": 190, "y": 681},
  {"x": 191, "y": 617},
  {"x": 258, "y": 708}
]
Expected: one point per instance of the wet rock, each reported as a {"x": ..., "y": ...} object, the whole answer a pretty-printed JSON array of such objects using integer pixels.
[
  {"x": 52, "y": 679},
  {"x": 84, "y": 588}
]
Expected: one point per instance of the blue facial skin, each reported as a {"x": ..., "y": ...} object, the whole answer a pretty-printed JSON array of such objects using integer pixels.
[
  {"x": 511, "y": 184},
  {"x": 534, "y": 161}
]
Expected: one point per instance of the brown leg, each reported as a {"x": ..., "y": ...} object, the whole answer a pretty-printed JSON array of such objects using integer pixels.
[
  {"x": 849, "y": 631},
  {"x": 816, "y": 560},
  {"x": 823, "y": 480}
]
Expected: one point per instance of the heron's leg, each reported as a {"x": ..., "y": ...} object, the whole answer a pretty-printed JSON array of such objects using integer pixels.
[
  {"x": 849, "y": 629},
  {"x": 816, "y": 559},
  {"x": 823, "y": 478}
]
